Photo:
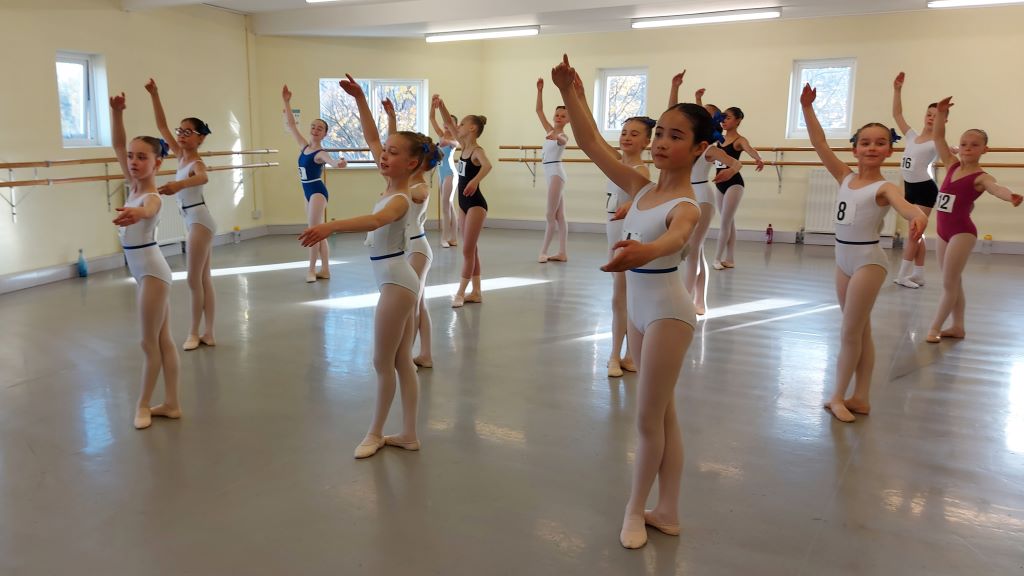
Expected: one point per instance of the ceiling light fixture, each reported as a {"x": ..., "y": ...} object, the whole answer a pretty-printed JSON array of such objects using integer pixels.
[
  {"x": 707, "y": 18},
  {"x": 487, "y": 34},
  {"x": 965, "y": 3}
]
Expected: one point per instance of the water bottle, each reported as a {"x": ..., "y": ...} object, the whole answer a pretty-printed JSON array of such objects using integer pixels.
[
  {"x": 83, "y": 268},
  {"x": 769, "y": 235},
  {"x": 236, "y": 235},
  {"x": 897, "y": 240},
  {"x": 986, "y": 244},
  {"x": 800, "y": 236}
]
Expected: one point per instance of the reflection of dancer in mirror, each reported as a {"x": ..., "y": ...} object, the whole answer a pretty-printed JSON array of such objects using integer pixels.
[
  {"x": 696, "y": 263},
  {"x": 419, "y": 254},
  {"x": 187, "y": 189},
  {"x": 554, "y": 174},
  {"x": 312, "y": 159},
  {"x": 633, "y": 140},
  {"x": 731, "y": 191},
  {"x": 140, "y": 160},
  {"x": 919, "y": 188},
  {"x": 393, "y": 325},
  {"x": 863, "y": 200},
  {"x": 472, "y": 167},
  {"x": 965, "y": 182},
  {"x": 656, "y": 231},
  {"x": 446, "y": 179}
]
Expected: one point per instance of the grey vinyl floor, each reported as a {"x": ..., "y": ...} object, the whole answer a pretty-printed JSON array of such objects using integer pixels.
[{"x": 527, "y": 445}]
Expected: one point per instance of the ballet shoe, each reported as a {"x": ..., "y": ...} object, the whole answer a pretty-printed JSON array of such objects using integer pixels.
[
  {"x": 857, "y": 407},
  {"x": 840, "y": 412},
  {"x": 368, "y": 447},
  {"x": 143, "y": 420},
  {"x": 162, "y": 411},
  {"x": 717, "y": 265},
  {"x": 700, "y": 310},
  {"x": 191, "y": 343},
  {"x": 310, "y": 277},
  {"x": 410, "y": 445},
  {"x": 952, "y": 333},
  {"x": 634, "y": 533},
  {"x": 445, "y": 244},
  {"x": 474, "y": 298},
  {"x": 919, "y": 280},
  {"x": 728, "y": 264},
  {"x": 453, "y": 243},
  {"x": 423, "y": 362},
  {"x": 542, "y": 259},
  {"x": 207, "y": 341},
  {"x": 933, "y": 338},
  {"x": 614, "y": 369},
  {"x": 458, "y": 301},
  {"x": 906, "y": 283},
  {"x": 324, "y": 275},
  {"x": 627, "y": 365},
  {"x": 558, "y": 258},
  {"x": 663, "y": 527}
]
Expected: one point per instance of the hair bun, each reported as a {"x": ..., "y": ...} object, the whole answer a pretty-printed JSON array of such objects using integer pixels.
[{"x": 483, "y": 119}]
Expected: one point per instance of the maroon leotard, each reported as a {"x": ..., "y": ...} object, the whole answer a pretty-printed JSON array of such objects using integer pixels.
[{"x": 955, "y": 203}]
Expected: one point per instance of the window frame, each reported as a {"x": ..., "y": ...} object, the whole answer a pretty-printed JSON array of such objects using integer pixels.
[
  {"x": 94, "y": 126},
  {"x": 422, "y": 106},
  {"x": 793, "y": 130},
  {"x": 600, "y": 98}
]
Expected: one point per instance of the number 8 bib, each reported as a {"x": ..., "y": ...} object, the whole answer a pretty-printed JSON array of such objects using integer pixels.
[{"x": 845, "y": 213}]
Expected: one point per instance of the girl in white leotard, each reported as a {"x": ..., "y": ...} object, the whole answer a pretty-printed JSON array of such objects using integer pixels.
[
  {"x": 661, "y": 315},
  {"x": 863, "y": 199},
  {"x": 187, "y": 188},
  {"x": 399, "y": 159},
  {"x": 555, "y": 140},
  {"x": 140, "y": 160},
  {"x": 633, "y": 140}
]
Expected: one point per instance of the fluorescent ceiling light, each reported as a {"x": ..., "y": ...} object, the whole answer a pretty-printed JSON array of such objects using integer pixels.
[
  {"x": 962, "y": 3},
  {"x": 484, "y": 34},
  {"x": 707, "y": 18}
]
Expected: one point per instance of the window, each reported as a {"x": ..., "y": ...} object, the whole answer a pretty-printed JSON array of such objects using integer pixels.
[
  {"x": 410, "y": 97},
  {"x": 80, "y": 90},
  {"x": 619, "y": 94},
  {"x": 834, "y": 104}
]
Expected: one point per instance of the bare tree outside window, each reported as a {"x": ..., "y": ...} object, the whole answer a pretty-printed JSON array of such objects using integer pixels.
[
  {"x": 339, "y": 110},
  {"x": 833, "y": 80},
  {"x": 626, "y": 97}
]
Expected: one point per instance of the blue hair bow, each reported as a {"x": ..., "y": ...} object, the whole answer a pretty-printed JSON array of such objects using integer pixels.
[
  {"x": 893, "y": 136},
  {"x": 165, "y": 149},
  {"x": 718, "y": 137},
  {"x": 204, "y": 130},
  {"x": 718, "y": 118}
]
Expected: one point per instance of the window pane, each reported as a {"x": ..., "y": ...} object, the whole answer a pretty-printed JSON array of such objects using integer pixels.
[
  {"x": 71, "y": 91},
  {"x": 833, "y": 100},
  {"x": 625, "y": 97},
  {"x": 342, "y": 116},
  {"x": 404, "y": 96}
]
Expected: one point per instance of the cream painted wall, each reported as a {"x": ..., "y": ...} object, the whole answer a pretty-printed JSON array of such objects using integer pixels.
[{"x": 197, "y": 55}]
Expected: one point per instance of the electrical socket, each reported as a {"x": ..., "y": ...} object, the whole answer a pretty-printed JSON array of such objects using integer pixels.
[{"x": 257, "y": 214}]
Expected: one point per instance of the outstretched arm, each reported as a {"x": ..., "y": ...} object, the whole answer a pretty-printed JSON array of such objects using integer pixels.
[
  {"x": 988, "y": 183},
  {"x": 897, "y": 104},
  {"x": 744, "y": 145},
  {"x": 540, "y": 107},
  {"x": 198, "y": 178},
  {"x": 631, "y": 254},
  {"x": 289, "y": 118},
  {"x": 939, "y": 132},
  {"x": 392, "y": 211},
  {"x": 589, "y": 138},
  {"x": 673, "y": 93},
  {"x": 117, "y": 134},
  {"x": 816, "y": 133},
  {"x": 161, "y": 118},
  {"x": 370, "y": 133}
]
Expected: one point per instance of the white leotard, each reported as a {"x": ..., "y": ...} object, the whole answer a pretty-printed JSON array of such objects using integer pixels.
[
  {"x": 417, "y": 220},
  {"x": 699, "y": 178},
  {"x": 551, "y": 159},
  {"x": 192, "y": 203},
  {"x": 140, "y": 248},
  {"x": 858, "y": 219},
  {"x": 615, "y": 199},
  {"x": 918, "y": 162},
  {"x": 387, "y": 244}
]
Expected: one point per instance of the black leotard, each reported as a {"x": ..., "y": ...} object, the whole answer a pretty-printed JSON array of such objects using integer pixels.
[
  {"x": 736, "y": 180},
  {"x": 467, "y": 171}
]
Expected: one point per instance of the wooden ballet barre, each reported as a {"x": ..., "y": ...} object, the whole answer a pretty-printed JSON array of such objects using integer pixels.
[
  {"x": 87, "y": 161},
  {"x": 758, "y": 148},
  {"x": 80, "y": 179},
  {"x": 808, "y": 164}
]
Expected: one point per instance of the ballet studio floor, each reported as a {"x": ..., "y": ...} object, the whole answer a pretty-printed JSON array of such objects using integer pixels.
[{"x": 527, "y": 445}]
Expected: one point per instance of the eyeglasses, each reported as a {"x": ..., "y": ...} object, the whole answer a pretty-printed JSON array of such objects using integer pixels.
[{"x": 185, "y": 132}]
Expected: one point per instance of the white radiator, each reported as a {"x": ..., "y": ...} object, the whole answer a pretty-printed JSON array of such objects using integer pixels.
[
  {"x": 172, "y": 225},
  {"x": 822, "y": 190}
]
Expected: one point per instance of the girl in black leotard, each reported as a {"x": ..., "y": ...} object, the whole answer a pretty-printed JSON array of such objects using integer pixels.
[
  {"x": 472, "y": 167},
  {"x": 732, "y": 189}
]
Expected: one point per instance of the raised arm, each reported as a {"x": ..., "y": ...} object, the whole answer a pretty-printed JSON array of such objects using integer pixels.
[
  {"x": 897, "y": 104},
  {"x": 289, "y": 118},
  {"x": 395, "y": 208},
  {"x": 939, "y": 132},
  {"x": 389, "y": 110},
  {"x": 370, "y": 133},
  {"x": 119, "y": 140},
  {"x": 673, "y": 92},
  {"x": 540, "y": 107},
  {"x": 161, "y": 118},
  {"x": 446, "y": 117},
  {"x": 833, "y": 164},
  {"x": 988, "y": 183},
  {"x": 698, "y": 96},
  {"x": 433, "y": 120},
  {"x": 589, "y": 138}
]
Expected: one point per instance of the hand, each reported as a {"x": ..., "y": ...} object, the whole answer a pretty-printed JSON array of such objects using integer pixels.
[
  {"x": 151, "y": 87},
  {"x": 351, "y": 87},
  {"x": 435, "y": 100},
  {"x": 389, "y": 107},
  {"x": 126, "y": 216},
  {"x": 577, "y": 84},
  {"x": 286, "y": 94},
  {"x": 540, "y": 84},
  {"x": 699, "y": 94},
  {"x": 944, "y": 105},
  {"x": 897, "y": 84},
  {"x": 470, "y": 188},
  {"x": 342, "y": 163},
  {"x": 760, "y": 165},
  {"x": 1015, "y": 199},
  {"x": 628, "y": 254},
  {"x": 117, "y": 102},
  {"x": 808, "y": 95},
  {"x": 172, "y": 187},
  {"x": 315, "y": 234},
  {"x": 621, "y": 212},
  {"x": 725, "y": 175},
  {"x": 677, "y": 80},
  {"x": 563, "y": 75},
  {"x": 917, "y": 226}
]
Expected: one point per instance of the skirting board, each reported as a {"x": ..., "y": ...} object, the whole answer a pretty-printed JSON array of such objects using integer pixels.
[{"x": 23, "y": 280}]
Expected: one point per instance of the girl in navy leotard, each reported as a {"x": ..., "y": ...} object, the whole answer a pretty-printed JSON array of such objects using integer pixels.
[
  {"x": 965, "y": 182},
  {"x": 312, "y": 159},
  {"x": 472, "y": 167}
]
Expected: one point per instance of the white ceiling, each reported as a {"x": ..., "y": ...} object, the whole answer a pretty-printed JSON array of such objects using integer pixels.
[{"x": 412, "y": 18}]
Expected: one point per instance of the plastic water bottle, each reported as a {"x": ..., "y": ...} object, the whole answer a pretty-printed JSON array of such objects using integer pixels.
[
  {"x": 986, "y": 244},
  {"x": 236, "y": 235},
  {"x": 83, "y": 268},
  {"x": 800, "y": 236},
  {"x": 769, "y": 235}
]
